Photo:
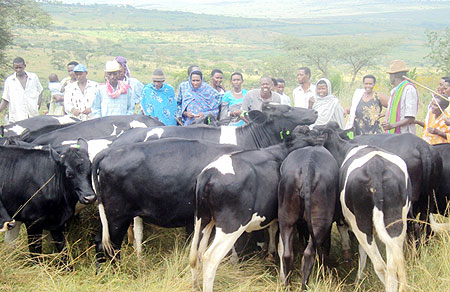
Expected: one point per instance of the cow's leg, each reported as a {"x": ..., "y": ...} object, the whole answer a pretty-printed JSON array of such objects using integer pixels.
[
  {"x": 273, "y": 228},
  {"x": 221, "y": 245},
  {"x": 345, "y": 241},
  {"x": 362, "y": 262},
  {"x": 307, "y": 262},
  {"x": 138, "y": 230},
  {"x": 58, "y": 239},
  {"x": 34, "y": 239},
  {"x": 286, "y": 251},
  {"x": 12, "y": 234},
  {"x": 199, "y": 243}
]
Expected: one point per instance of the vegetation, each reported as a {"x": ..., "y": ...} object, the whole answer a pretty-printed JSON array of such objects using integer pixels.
[{"x": 439, "y": 43}]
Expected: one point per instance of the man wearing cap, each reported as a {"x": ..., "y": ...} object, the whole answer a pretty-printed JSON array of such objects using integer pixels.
[
  {"x": 113, "y": 98},
  {"x": 403, "y": 103},
  {"x": 158, "y": 100},
  {"x": 79, "y": 95},
  {"x": 22, "y": 91}
]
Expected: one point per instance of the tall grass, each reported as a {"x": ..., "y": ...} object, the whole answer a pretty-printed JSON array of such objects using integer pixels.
[{"x": 165, "y": 267}]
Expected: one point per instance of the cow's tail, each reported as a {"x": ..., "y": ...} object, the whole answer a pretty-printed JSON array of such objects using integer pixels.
[
  {"x": 106, "y": 238},
  {"x": 305, "y": 192}
]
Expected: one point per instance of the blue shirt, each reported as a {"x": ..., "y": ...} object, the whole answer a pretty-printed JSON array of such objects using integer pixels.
[
  {"x": 104, "y": 105},
  {"x": 160, "y": 103}
]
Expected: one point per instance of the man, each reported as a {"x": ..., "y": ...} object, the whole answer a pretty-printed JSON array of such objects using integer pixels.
[
  {"x": 22, "y": 92},
  {"x": 403, "y": 103},
  {"x": 79, "y": 95},
  {"x": 304, "y": 94},
  {"x": 280, "y": 90},
  {"x": 158, "y": 100},
  {"x": 69, "y": 79},
  {"x": 113, "y": 98},
  {"x": 255, "y": 98}
]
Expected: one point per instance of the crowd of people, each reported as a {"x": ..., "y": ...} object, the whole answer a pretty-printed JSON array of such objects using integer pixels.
[{"x": 79, "y": 97}]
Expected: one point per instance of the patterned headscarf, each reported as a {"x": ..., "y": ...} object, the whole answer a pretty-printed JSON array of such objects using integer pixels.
[{"x": 123, "y": 62}]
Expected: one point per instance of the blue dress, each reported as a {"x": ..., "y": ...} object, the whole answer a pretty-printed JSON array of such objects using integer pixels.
[{"x": 160, "y": 103}]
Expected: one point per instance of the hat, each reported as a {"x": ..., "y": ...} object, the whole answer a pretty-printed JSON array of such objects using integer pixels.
[
  {"x": 158, "y": 75},
  {"x": 397, "y": 66},
  {"x": 112, "y": 66},
  {"x": 79, "y": 68}
]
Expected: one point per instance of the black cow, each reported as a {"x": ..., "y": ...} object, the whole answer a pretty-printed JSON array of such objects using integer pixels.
[
  {"x": 236, "y": 193},
  {"x": 443, "y": 188},
  {"x": 375, "y": 196},
  {"x": 307, "y": 193},
  {"x": 56, "y": 181},
  {"x": 264, "y": 131},
  {"x": 96, "y": 128},
  {"x": 32, "y": 128}
]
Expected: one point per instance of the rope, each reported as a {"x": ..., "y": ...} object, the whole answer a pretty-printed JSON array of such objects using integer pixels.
[{"x": 23, "y": 206}]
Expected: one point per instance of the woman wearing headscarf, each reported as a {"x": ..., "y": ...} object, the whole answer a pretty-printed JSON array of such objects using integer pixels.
[
  {"x": 198, "y": 99},
  {"x": 327, "y": 105},
  {"x": 136, "y": 86}
]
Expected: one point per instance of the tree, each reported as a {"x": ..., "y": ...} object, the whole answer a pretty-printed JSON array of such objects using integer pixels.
[
  {"x": 18, "y": 12},
  {"x": 439, "y": 44}
]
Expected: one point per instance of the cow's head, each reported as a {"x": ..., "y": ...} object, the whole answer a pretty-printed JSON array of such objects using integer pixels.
[
  {"x": 6, "y": 222},
  {"x": 77, "y": 171},
  {"x": 283, "y": 116}
]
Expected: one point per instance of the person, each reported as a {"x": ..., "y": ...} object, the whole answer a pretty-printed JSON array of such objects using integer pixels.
[
  {"x": 232, "y": 100},
  {"x": 80, "y": 95},
  {"x": 198, "y": 99},
  {"x": 56, "y": 105},
  {"x": 327, "y": 105},
  {"x": 403, "y": 103},
  {"x": 158, "y": 100},
  {"x": 281, "y": 85},
  {"x": 71, "y": 78},
  {"x": 440, "y": 88},
  {"x": 22, "y": 91},
  {"x": 113, "y": 98},
  {"x": 365, "y": 109},
  {"x": 136, "y": 86},
  {"x": 435, "y": 129},
  {"x": 216, "y": 81},
  {"x": 255, "y": 98},
  {"x": 304, "y": 94}
]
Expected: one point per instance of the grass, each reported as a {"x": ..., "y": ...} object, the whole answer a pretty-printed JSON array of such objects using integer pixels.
[{"x": 165, "y": 267}]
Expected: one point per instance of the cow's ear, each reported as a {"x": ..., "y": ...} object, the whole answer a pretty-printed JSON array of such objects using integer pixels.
[
  {"x": 83, "y": 144},
  {"x": 347, "y": 134},
  {"x": 258, "y": 117},
  {"x": 55, "y": 155},
  {"x": 25, "y": 135}
]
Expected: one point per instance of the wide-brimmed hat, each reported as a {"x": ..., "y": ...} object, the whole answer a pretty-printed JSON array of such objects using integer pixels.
[
  {"x": 158, "y": 75},
  {"x": 397, "y": 66},
  {"x": 79, "y": 68},
  {"x": 112, "y": 66}
]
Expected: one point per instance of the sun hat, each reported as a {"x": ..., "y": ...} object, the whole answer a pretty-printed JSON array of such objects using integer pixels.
[
  {"x": 112, "y": 66},
  {"x": 79, "y": 68},
  {"x": 158, "y": 75},
  {"x": 397, "y": 66}
]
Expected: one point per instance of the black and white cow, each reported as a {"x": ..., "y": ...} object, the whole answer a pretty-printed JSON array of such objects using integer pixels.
[
  {"x": 307, "y": 193},
  {"x": 236, "y": 193},
  {"x": 57, "y": 183},
  {"x": 32, "y": 128},
  {"x": 96, "y": 128},
  {"x": 263, "y": 131},
  {"x": 375, "y": 196}
]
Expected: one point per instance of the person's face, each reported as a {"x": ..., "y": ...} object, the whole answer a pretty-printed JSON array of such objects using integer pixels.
[
  {"x": 446, "y": 89},
  {"x": 302, "y": 77},
  {"x": 19, "y": 68},
  {"x": 266, "y": 85},
  {"x": 322, "y": 90},
  {"x": 440, "y": 88},
  {"x": 435, "y": 108},
  {"x": 113, "y": 77},
  {"x": 158, "y": 84},
  {"x": 81, "y": 76},
  {"x": 236, "y": 81},
  {"x": 196, "y": 81},
  {"x": 121, "y": 73},
  {"x": 393, "y": 79},
  {"x": 217, "y": 79},
  {"x": 280, "y": 88},
  {"x": 70, "y": 71},
  {"x": 369, "y": 84}
]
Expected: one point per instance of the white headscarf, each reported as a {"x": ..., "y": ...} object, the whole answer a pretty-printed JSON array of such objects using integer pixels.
[{"x": 328, "y": 107}]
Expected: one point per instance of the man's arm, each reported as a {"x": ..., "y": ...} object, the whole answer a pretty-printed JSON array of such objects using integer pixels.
[
  {"x": 403, "y": 122},
  {"x": 3, "y": 105}
]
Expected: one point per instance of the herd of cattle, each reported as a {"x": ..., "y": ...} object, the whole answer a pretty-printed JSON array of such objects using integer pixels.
[{"x": 274, "y": 171}]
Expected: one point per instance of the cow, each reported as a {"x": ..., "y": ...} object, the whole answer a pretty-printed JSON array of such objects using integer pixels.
[
  {"x": 95, "y": 128},
  {"x": 54, "y": 184},
  {"x": 263, "y": 131},
  {"x": 307, "y": 193},
  {"x": 236, "y": 193},
  {"x": 375, "y": 196},
  {"x": 443, "y": 188},
  {"x": 32, "y": 128}
]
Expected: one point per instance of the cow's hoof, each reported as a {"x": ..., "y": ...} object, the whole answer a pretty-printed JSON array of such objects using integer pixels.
[{"x": 270, "y": 258}]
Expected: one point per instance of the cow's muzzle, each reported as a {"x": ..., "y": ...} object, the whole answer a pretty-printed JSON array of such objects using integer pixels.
[
  {"x": 8, "y": 225},
  {"x": 87, "y": 199}
]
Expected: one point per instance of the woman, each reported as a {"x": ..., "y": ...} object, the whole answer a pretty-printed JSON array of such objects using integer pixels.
[
  {"x": 136, "y": 86},
  {"x": 232, "y": 100},
  {"x": 365, "y": 109},
  {"x": 216, "y": 81},
  {"x": 198, "y": 99},
  {"x": 327, "y": 105}
]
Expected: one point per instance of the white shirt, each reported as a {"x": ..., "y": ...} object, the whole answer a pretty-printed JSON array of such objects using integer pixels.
[
  {"x": 74, "y": 98},
  {"x": 23, "y": 103},
  {"x": 301, "y": 97},
  {"x": 285, "y": 99}
]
